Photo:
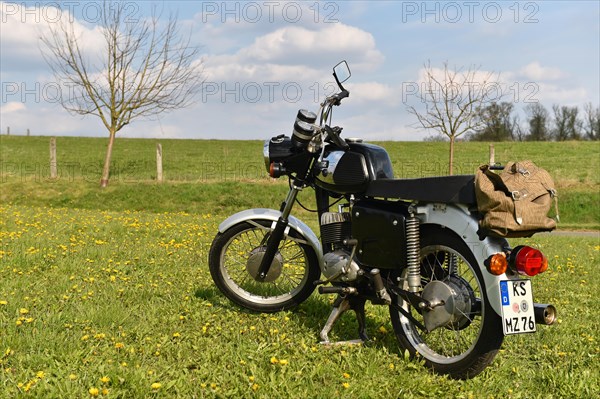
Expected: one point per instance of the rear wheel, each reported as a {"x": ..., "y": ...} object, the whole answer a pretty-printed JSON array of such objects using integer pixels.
[
  {"x": 466, "y": 332},
  {"x": 234, "y": 259}
]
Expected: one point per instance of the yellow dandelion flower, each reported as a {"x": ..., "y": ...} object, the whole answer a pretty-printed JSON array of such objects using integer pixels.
[
  {"x": 156, "y": 386},
  {"x": 23, "y": 311},
  {"x": 94, "y": 391},
  {"x": 72, "y": 377},
  {"x": 104, "y": 391},
  {"x": 346, "y": 375},
  {"x": 255, "y": 387},
  {"x": 283, "y": 362},
  {"x": 105, "y": 380},
  {"x": 346, "y": 385},
  {"x": 383, "y": 330},
  {"x": 274, "y": 360},
  {"x": 40, "y": 374}
]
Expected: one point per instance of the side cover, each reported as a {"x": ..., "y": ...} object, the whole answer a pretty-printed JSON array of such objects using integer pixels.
[{"x": 380, "y": 230}]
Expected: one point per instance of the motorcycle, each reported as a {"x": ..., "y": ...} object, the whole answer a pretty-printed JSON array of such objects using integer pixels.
[{"x": 413, "y": 245}]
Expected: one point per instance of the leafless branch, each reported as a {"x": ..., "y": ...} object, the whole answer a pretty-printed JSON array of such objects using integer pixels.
[
  {"x": 146, "y": 67},
  {"x": 448, "y": 100}
]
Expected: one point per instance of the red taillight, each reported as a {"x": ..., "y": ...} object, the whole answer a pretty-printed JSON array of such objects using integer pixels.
[{"x": 529, "y": 261}]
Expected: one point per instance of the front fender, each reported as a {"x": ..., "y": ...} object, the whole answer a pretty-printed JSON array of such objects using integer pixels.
[
  {"x": 460, "y": 220},
  {"x": 271, "y": 214}
]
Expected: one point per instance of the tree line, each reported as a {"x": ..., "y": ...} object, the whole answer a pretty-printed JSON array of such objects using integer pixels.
[{"x": 498, "y": 122}]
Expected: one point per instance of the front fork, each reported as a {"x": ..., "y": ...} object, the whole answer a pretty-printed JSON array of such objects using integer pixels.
[{"x": 278, "y": 233}]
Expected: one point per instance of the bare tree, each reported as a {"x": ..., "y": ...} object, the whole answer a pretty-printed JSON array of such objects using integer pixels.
[
  {"x": 537, "y": 118},
  {"x": 451, "y": 98},
  {"x": 146, "y": 68},
  {"x": 567, "y": 125},
  {"x": 592, "y": 122},
  {"x": 496, "y": 122}
]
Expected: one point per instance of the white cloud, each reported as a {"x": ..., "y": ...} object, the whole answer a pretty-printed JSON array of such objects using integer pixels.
[
  {"x": 296, "y": 53},
  {"x": 294, "y": 44},
  {"x": 22, "y": 28},
  {"x": 536, "y": 72},
  {"x": 552, "y": 93},
  {"x": 367, "y": 92},
  {"x": 12, "y": 107}
]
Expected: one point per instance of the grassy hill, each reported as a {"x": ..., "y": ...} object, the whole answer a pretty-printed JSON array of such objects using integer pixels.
[{"x": 225, "y": 176}]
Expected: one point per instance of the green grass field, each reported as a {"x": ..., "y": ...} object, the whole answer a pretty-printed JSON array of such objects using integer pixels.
[
  {"x": 106, "y": 293},
  {"x": 209, "y": 175}
]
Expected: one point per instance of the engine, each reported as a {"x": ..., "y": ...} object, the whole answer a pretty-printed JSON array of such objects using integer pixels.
[{"x": 338, "y": 263}]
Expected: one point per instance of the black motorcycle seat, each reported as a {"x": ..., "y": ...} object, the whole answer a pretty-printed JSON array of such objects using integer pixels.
[{"x": 442, "y": 189}]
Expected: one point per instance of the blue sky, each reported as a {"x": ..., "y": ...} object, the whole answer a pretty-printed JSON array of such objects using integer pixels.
[{"x": 265, "y": 59}]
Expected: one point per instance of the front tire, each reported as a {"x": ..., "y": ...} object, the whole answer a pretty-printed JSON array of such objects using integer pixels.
[
  {"x": 233, "y": 262},
  {"x": 464, "y": 347}
]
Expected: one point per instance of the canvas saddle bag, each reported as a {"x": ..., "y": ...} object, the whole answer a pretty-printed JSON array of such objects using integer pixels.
[{"x": 515, "y": 202}]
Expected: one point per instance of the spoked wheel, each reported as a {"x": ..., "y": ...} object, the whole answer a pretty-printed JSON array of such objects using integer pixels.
[
  {"x": 235, "y": 257},
  {"x": 465, "y": 332}
]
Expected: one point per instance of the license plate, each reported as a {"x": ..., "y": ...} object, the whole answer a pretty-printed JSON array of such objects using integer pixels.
[{"x": 517, "y": 307}]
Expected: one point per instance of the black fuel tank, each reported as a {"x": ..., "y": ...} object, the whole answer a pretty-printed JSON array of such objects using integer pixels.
[{"x": 349, "y": 172}]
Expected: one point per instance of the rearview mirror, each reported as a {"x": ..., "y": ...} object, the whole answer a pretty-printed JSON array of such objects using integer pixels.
[{"x": 341, "y": 72}]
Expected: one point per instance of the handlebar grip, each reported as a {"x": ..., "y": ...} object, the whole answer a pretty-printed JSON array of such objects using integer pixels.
[
  {"x": 343, "y": 94},
  {"x": 336, "y": 99}
]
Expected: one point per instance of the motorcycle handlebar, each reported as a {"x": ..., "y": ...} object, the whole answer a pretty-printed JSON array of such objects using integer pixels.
[{"x": 337, "y": 98}]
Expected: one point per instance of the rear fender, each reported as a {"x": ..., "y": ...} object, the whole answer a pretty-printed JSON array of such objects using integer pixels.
[
  {"x": 272, "y": 215},
  {"x": 459, "y": 219}
]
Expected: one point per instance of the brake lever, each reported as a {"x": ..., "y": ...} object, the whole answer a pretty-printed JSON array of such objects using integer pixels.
[{"x": 334, "y": 134}]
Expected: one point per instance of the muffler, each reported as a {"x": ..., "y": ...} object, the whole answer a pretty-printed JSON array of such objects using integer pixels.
[{"x": 544, "y": 313}]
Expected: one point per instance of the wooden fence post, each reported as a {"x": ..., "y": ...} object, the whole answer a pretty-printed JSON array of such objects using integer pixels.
[
  {"x": 492, "y": 155},
  {"x": 53, "y": 164},
  {"x": 159, "y": 166}
]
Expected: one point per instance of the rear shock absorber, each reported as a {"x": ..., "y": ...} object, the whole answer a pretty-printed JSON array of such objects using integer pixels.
[{"x": 413, "y": 253}]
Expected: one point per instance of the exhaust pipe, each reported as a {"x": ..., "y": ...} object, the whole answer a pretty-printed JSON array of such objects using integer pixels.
[{"x": 544, "y": 313}]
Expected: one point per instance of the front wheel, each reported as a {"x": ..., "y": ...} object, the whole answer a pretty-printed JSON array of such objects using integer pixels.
[
  {"x": 234, "y": 259},
  {"x": 465, "y": 340}
]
